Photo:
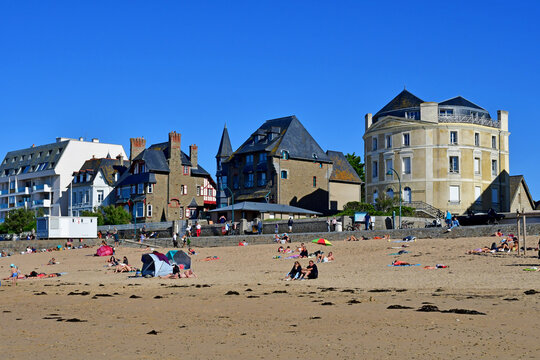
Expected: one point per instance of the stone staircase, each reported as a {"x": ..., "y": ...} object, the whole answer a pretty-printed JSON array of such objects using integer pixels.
[{"x": 425, "y": 209}]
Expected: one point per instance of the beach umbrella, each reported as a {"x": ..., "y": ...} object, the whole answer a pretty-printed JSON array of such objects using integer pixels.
[{"x": 322, "y": 241}]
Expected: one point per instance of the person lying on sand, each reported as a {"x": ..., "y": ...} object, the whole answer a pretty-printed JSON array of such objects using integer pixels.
[
  {"x": 400, "y": 263},
  {"x": 121, "y": 267},
  {"x": 191, "y": 251},
  {"x": 288, "y": 250},
  {"x": 280, "y": 249},
  {"x": 176, "y": 274},
  {"x": 481, "y": 250},
  {"x": 385, "y": 237},
  {"x": 329, "y": 258},
  {"x": 52, "y": 262},
  {"x": 295, "y": 271},
  {"x": 498, "y": 233},
  {"x": 310, "y": 272},
  {"x": 351, "y": 238}
]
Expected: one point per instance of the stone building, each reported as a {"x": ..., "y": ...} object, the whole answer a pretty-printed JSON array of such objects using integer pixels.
[
  {"x": 165, "y": 184},
  {"x": 345, "y": 184},
  {"x": 448, "y": 155},
  {"x": 93, "y": 184},
  {"x": 520, "y": 196},
  {"x": 279, "y": 163}
]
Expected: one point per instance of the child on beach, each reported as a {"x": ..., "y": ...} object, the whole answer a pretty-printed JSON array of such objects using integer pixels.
[{"x": 14, "y": 274}]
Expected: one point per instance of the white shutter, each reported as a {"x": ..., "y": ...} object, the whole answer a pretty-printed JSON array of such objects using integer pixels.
[{"x": 454, "y": 193}]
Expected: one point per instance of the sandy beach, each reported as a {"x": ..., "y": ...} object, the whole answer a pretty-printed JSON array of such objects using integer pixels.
[{"x": 341, "y": 315}]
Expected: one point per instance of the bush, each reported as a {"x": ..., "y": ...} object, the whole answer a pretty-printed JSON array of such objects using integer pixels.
[
  {"x": 385, "y": 207},
  {"x": 109, "y": 215}
]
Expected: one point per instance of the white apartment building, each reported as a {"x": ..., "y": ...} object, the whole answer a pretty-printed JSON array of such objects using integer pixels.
[{"x": 38, "y": 177}]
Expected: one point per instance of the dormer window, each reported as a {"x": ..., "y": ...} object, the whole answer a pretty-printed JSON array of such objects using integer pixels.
[
  {"x": 262, "y": 157},
  {"x": 412, "y": 115},
  {"x": 285, "y": 154},
  {"x": 446, "y": 112},
  {"x": 249, "y": 159},
  {"x": 185, "y": 170},
  {"x": 49, "y": 153}
]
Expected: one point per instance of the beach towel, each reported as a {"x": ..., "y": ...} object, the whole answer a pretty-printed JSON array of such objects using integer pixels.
[
  {"x": 399, "y": 253},
  {"x": 404, "y": 265},
  {"x": 293, "y": 256}
]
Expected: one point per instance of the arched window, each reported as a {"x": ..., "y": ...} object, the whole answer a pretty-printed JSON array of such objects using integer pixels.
[
  {"x": 390, "y": 193},
  {"x": 375, "y": 196},
  {"x": 407, "y": 195}
]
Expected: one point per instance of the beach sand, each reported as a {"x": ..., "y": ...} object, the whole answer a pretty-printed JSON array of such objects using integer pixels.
[{"x": 342, "y": 315}]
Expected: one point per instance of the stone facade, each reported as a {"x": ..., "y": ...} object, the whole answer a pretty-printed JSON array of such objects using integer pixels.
[{"x": 450, "y": 155}]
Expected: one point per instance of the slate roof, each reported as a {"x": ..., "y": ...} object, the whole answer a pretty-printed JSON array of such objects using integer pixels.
[
  {"x": 461, "y": 101},
  {"x": 225, "y": 148},
  {"x": 33, "y": 159},
  {"x": 266, "y": 207},
  {"x": 107, "y": 166},
  {"x": 404, "y": 100},
  {"x": 128, "y": 179},
  {"x": 342, "y": 170},
  {"x": 286, "y": 133}
]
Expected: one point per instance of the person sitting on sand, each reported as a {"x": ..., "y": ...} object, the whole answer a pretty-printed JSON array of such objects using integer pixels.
[
  {"x": 276, "y": 238},
  {"x": 295, "y": 272},
  {"x": 191, "y": 251},
  {"x": 303, "y": 252},
  {"x": 498, "y": 233},
  {"x": 351, "y": 238},
  {"x": 112, "y": 261},
  {"x": 504, "y": 246},
  {"x": 310, "y": 272},
  {"x": 514, "y": 245},
  {"x": 52, "y": 262},
  {"x": 280, "y": 249},
  {"x": 288, "y": 250},
  {"x": 328, "y": 258},
  {"x": 121, "y": 267},
  {"x": 285, "y": 237},
  {"x": 125, "y": 260}
]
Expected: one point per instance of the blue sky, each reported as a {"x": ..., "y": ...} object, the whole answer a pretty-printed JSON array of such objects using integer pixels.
[{"x": 120, "y": 69}]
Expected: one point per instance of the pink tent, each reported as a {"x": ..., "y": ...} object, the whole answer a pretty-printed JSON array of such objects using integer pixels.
[{"x": 104, "y": 250}]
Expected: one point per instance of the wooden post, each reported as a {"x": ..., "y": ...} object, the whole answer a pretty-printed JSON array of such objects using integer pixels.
[
  {"x": 518, "y": 228},
  {"x": 524, "y": 234}
]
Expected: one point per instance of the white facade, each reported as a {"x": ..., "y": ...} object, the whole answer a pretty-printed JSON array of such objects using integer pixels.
[
  {"x": 39, "y": 177},
  {"x": 90, "y": 196}
]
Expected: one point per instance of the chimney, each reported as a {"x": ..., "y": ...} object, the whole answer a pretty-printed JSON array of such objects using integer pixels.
[
  {"x": 369, "y": 120},
  {"x": 502, "y": 117},
  {"x": 194, "y": 155},
  {"x": 136, "y": 146},
  {"x": 174, "y": 146},
  {"x": 95, "y": 140},
  {"x": 120, "y": 159},
  {"x": 429, "y": 111}
]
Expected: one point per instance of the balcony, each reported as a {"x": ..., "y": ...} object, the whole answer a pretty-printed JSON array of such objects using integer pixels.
[
  {"x": 21, "y": 204},
  {"x": 42, "y": 188},
  {"x": 4, "y": 192},
  {"x": 23, "y": 191},
  {"x": 3, "y": 206},
  {"x": 41, "y": 203},
  {"x": 469, "y": 119}
]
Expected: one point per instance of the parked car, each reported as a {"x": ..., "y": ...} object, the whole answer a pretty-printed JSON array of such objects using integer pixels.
[{"x": 489, "y": 218}]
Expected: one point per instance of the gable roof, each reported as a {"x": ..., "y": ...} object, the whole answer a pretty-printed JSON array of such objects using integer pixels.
[
  {"x": 284, "y": 134},
  {"x": 107, "y": 166},
  {"x": 515, "y": 182},
  {"x": 404, "y": 100},
  {"x": 225, "y": 148},
  {"x": 461, "y": 101},
  {"x": 342, "y": 170}
]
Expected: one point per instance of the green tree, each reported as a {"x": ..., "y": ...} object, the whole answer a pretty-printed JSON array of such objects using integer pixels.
[
  {"x": 386, "y": 203},
  {"x": 358, "y": 166},
  {"x": 19, "y": 220},
  {"x": 115, "y": 215}
]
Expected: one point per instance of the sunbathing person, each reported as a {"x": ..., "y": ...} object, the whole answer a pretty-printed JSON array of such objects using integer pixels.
[
  {"x": 328, "y": 258},
  {"x": 121, "y": 267},
  {"x": 481, "y": 250},
  {"x": 498, "y": 233},
  {"x": 52, "y": 262},
  {"x": 310, "y": 272},
  {"x": 191, "y": 251},
  {"x": 400, "y": 263},
  {"x": 295, "y": 272},
  {"x": 288, "y": 250},
  {"x": 286, "y": 238},
  {"x": 280, "y": 249},
  {"x": 112, "y": 261},
  {"x": 351, "y": 238}
]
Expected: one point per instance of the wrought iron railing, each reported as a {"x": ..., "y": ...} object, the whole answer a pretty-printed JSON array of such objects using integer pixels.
[{"x": 469, "y": 119}]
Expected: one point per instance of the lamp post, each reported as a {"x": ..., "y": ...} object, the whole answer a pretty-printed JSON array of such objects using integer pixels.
[
  {"x": 389, "y": 172},
  {"x": 223, "y": 187}
]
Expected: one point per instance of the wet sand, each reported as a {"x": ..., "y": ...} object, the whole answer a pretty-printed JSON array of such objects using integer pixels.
[{"x": 342, "y": 315}]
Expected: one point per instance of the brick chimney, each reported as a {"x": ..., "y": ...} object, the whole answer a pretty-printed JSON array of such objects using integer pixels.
[
  {"x": 174, "y": 146},
  {"x": 194, "y": 155},
  {"x": 136, "y": 146}
]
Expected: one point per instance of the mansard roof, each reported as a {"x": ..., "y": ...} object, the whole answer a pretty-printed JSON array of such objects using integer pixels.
[
  {"x": 404, "y": 100},
  {"x": 461, "y": 101}
]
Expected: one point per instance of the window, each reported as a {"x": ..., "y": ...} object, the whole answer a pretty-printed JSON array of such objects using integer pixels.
[
  {"x": 446, "y": 112},
  {"x": 407, "y": 195},
  {"x": 39, "y": 154},
  {"x": 248, "y": 180},
  {"x": 149, "y": 210},
  {"x": 74, "y": 200},
  {"x": 262, "y": 157},
  {"x": 284, "y": 174},
  {"x": 133, "y": 189},
  {"x": 198, "y": 190},
  {"x": 29, "y": 156},
  {"x": 181, "y": 212},
  {"x": 375, "y": 169},
  {"x": 375, "y": 196},
  {"x": 406, "y": 139},
  {"x": 86, "y": 197},
  {"x": 49, "y": 153},
  {"x": 478, "y": 195},
  {"x": 314, "y": 181},
  {"x": 493, "y": 142},
  {"x": 453, "y": 137},
  {"x": 150, "y": 188},
  {"x": 389, "y": 166},
  {"x": 477, "y": 165},
  {"x": 284, "y": 154},
  {"x": 249, "y": 159},
  {"x": 454, "y": 194},
  {"x": 183, "y": 189},
  {"x": 374, "y": 144},
  {"x": 236, "y": 182},
  {"x": 13, "y": 159},
  {"x": 454, "y": 164},
  {"x": 476, "y": 139},
  {"x": 494, "y": 168},
  {"x": 262, "y": 179},
  {"x": 388, "y": 141},
  {"x": 139, "y": 209},
  {"x": 140, "y": 188},
  {"x": 495, "y": 196},
  {"x": 22, "y": 158},
  {"x": 412, "y": 115},
  {"x": 390, "y": 193},
  {"x": 185, "y": 170},
  {"x": 406, "y": 166},
  {"x": 100, "y": 196}
]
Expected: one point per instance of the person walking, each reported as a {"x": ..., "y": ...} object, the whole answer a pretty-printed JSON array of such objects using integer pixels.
[
  {"x": 366, "y": 220},
  {"x": 448, "y": 218},
  {"x": 115, "y": 235},
  {"x": 198, "y": 229},
  {"x": 334, "y": 223},
  {"x": 290, "y": 223},
  {"x": 328, "y": 224},
  {"x": 174, "y": 240},
  {"x": 276, "y": 228},
  {"x": 14, "y": 274},
  {"x": 259, "y": 227},
  {"x": 188, "y": 230}
]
